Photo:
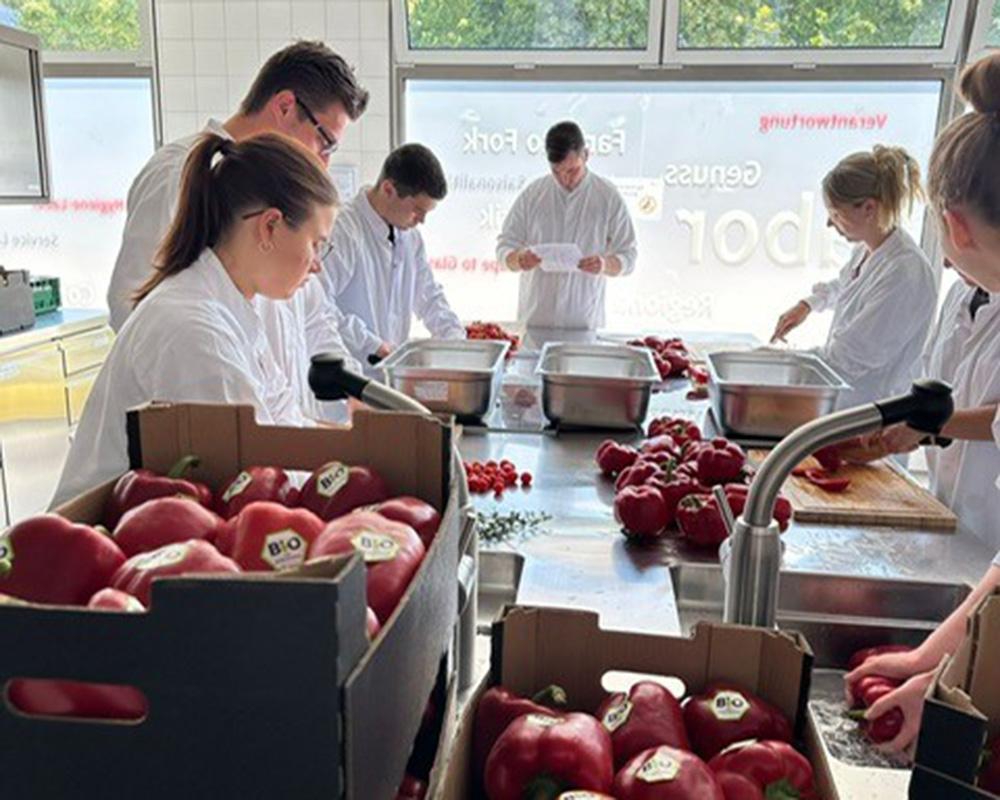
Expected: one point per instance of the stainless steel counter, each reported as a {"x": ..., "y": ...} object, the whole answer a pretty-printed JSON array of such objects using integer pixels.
[{"x": 581, "y": 560}]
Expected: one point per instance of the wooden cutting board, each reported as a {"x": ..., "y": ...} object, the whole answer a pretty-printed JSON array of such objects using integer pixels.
[{"x": 878, "y": 495}]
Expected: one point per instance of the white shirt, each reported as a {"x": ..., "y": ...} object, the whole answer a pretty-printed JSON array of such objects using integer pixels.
[
  {"x": 881, "y": 317},
  {"x": 194, "y": 339},
  {"x": 593, "y": 216},
  {"x": 379, "y": 285},
  {"x": 293, "y": 327},
  {"x": 966, "y": 354}
]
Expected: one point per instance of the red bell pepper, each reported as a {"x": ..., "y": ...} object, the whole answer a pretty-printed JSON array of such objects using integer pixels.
[
  {"x": 253, "y": 484},
  {"x": 700, "y": 521},
  {"x": 412, "y": 511},
  {"x": 698, "y": 375},
  {"x": 335, "y": 489},
  {"x": 671, "y": 362},
  {"x": 109, "y": 599},
  {"x": 861, "y": 656},
  {"x": 137, "y": 486},
  {"x": 411, "y": 789},
  {"x": 48, "y": 559},
  {"x": 162, "y": 521},
  {"x": 658, "y": 425},
  {"x": 392, "y": 553},
  {"x": 827, "y": 482},
  {"x": 736, "y": 787},
  {"x": 372, "y": 625},
  {"x": 726, "y": 713},
  {"x": 666, "y": 773},
  {"x": 882, "y": 729},
  {"x": 775, "y": 767},
  {"x": 680, "y": 430},
  {"x": 270, "y": 537},
  {"x": 136, "y": 576},
  {"x": 673, "y": 489},
  {"x": 648, "y": 716},
  {"x": 641, "y": 511},
  {"x": 613, "y": 457},
  {"x": 54, "y": 698},
  {"x": 661, "y": 444},
  {"x": 690, "y": 450},
  {"x": 736, "y": 494},
  {"x": 541, "y": 755},
  {"x": 989, "y": 775},
  {"x": 636, "y": 475},
  {"x": 498, "y": 707},
  {"x": 722, "y": 462}
]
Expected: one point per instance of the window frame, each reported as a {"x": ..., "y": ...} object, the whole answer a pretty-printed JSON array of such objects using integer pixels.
[
  {"x": 142, "y": 57},
  {"x": 978, "y": 45},
  {"x": 807, "y": 58},
  {"x": 31, "y": 43},
  {"x": 408, "y": 56}
]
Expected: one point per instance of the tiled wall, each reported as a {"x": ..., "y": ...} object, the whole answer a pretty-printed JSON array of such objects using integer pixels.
[{"x": 208, "y": 52}]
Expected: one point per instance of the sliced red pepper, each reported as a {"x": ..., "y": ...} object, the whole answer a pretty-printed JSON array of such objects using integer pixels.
[
  {"x": 825, "y": 481},
  {"x": 829, "y": 458},
  {"x": 139, "y": 485},
  {"x": 666, "y": 773},
  {"x": 647, "y": 716}
]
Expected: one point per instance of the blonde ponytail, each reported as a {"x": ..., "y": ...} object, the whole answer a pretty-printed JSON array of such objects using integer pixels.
[{"x": 887, "y": 174}]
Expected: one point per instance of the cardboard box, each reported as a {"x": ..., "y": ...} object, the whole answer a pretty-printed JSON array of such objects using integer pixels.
[
  {"x": 961, "y": 712},
  {"x": 535, "y": 647},
  {"x": 261, "y": 686}
]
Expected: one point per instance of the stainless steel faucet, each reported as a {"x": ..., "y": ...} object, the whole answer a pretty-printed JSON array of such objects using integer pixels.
[{"x": 755, "y": 556}]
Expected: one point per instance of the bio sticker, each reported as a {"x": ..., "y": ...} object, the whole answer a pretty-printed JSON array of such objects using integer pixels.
[
  {"x": 581, "y": 794},
  {"x": 659, "y": 768},
  {"x": 544, "y": 720},
  {"x": 284, "y": 549},
  {"x": 729, "y": 706},
  {"x": 239, "y": 484},
  {"x": 164, "y": 557},
  {"x": 6, "y": 555},
  {"x": 617, "y": 716},
  {"x": 332, "y": 479},
  {"x": 375, "y": 546}
]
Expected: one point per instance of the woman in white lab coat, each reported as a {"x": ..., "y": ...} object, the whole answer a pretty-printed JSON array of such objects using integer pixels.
[
  {"x": 883, "y": 301},
  {"x": 252, "y": 221},
  {"x": 964, "y": 174}
]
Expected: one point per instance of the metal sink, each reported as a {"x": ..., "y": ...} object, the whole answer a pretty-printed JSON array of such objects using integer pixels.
[
  {"x": 837, "y": 614},
  {"x": 499, "y": 577}
]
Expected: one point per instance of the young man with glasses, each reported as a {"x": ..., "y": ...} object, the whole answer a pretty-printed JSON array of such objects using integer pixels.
[{"x": 306, "y": 92}]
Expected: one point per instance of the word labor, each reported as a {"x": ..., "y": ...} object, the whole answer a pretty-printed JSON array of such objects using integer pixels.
[{"x": 509, "y": 140}]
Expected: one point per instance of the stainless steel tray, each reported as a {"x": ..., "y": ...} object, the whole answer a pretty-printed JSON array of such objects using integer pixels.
[
  {"x": 770, "y": 393},
  {"x": 596, "y": 385},
  {"x": 451, "y": 376}
]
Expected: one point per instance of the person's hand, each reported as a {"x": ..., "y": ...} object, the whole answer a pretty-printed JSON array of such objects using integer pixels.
[
  {"x": 593, "y": 265},
  {"x": 527, "y": 260},
  {"x": 898, "y": 666},
  {"x": 863, "y": 449},
  {"x": 384, "y": 349},
  {"x": 901, "y": 439},
  {"x": 790, "y": 320},
  {"x": 909, "y": 699}
]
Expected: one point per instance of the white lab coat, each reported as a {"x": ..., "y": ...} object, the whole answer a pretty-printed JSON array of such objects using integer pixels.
[
  {"x": 294, "y": 328},
  {"x": 195, "y": 339},
  {"x": 379, "y": 286},
  {"x": 881, "y": 318},
  {"x": 966, "y": 354},
  {"x": 593, "y": 216}
]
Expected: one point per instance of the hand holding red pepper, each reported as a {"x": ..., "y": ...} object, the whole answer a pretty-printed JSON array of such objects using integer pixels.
[
  {"x": 641, "y": 511},
  {"x": 721, "y": 462},
  {"x": 162, "y": 521},
  {"x": 541, "y": 755},
  {"x": 498, "y": 707},
  {"x": 648, "y": 716},
  {"x": 336, "y": 489},
  {"x": 613, "y": 457},
  {"x": 252, "y": 484},
  {"x": 137, "y": 486},
  {"x": 666, "y": 773},
  {"x": 775, "y": 768},
  {"x": 726, "y": 713},
  {"x": 48, "y": 559}
]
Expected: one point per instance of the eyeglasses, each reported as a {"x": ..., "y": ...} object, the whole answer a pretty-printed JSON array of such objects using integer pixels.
[
  {"x": 330, "y": 144},
  {"x": 320, "y": 252}
]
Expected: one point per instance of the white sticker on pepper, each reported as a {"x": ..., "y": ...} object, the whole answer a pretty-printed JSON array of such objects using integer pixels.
[
  {"x": 375, "y": 546},
  {"x": 332, "y": 479},
  {"x": 239, "y": 484},
  {"x": 659, "y": 768},
  {"x": 729, "y": 706},
  {"x": 163, "y": 557},
  {"x": 617, "y": 716},
  {"x": 284, "y": 549},
  {"x": 6, "y": 550},
  {"x": 543, "y": 720}
]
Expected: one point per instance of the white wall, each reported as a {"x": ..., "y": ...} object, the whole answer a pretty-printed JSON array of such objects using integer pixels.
[{"x": 208, "y": 52}]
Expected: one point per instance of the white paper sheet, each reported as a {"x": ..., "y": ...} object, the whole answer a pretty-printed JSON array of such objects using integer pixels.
[{"x": 558, "y": 257}]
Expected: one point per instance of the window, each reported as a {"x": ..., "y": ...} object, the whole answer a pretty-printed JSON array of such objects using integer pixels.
[
  {"x": 722, "y": 180},
  {"x": 811, "y": 24},
  {"x": 986, "y": 33},
  {"x": 993, "y": 36},
  {"x": 71, "y": 25}
]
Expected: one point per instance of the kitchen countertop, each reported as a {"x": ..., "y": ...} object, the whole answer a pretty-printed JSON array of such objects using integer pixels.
[
  {"x": 582, "y": 561},
  {"x": 58, "y": 324}
]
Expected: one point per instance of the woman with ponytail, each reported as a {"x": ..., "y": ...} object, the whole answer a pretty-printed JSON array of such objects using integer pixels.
[
  {"x": 964, "y": 192},
  {"x": 884, "y": 299},
  {"x": 252, "y": 222}
]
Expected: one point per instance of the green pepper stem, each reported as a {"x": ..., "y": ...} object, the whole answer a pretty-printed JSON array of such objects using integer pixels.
[
  {"x": 552, "y": 696},
  {"x": 5, "y": 568},
  {"x": 543, "y": 787},
  {"x": 181, "y": 467}
]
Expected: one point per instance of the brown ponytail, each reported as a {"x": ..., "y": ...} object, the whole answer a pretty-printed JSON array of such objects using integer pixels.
[
  {"x": 887, "y": 174},
  {"x": 266, "y": 171},
  {"x": 965, "y": 162}
]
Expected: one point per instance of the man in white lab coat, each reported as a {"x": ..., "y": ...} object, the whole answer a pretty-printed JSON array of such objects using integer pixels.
[
  {"x": 306, "y": 92},
  {"x": 570, "y": 206},
  {"x": 377, "y": 272}
]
